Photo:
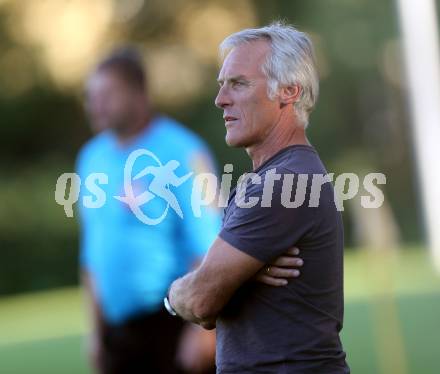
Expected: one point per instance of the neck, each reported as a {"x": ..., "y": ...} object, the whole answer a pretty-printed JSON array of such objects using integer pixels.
[
  {"x": 278, "y": 138},
  {"x": 127, "y": 135}
]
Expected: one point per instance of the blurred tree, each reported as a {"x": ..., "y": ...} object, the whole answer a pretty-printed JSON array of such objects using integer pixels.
[{"x": 361, "y": 110}]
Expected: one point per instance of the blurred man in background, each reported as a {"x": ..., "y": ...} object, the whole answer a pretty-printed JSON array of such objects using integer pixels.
[{"x": 127, "y": 266}]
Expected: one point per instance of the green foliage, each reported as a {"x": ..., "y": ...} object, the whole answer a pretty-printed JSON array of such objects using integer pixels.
[
  {"x": 39, "y": 244},
  {"x": 360, "y": 121}
]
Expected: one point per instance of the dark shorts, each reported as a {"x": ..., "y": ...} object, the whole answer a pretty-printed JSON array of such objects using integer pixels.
[{"x": 145, "y": 344}]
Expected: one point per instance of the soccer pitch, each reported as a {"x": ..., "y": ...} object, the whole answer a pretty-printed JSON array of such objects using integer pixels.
[{"x": 392, "y": 320}]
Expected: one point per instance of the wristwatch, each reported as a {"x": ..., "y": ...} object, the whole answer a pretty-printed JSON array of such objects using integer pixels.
[{"x": 168, "y": 306}]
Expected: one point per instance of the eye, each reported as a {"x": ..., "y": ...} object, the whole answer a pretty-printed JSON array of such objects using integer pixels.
[{"x": 237, "y": 84}]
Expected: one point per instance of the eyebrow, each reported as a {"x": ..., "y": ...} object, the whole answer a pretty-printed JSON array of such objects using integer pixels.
[{"x": 233, "y": 79}]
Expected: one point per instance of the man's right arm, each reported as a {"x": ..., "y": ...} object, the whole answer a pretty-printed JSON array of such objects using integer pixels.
[
  {"x": 95, "y": 314},
  {"x": 96, "y": 320}
]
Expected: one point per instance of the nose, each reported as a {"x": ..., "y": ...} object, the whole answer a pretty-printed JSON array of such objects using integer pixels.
[{"x": 223, "y": 99}]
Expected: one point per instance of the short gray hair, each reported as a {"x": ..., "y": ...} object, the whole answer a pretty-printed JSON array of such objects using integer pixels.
[{"x": 291, "y": 62}]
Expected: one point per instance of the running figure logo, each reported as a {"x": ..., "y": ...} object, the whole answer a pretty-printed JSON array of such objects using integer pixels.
[{"x": 163, "y": 177}]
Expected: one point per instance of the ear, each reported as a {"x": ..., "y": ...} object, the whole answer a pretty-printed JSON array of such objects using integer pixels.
[{"x": 289, "y": 94}]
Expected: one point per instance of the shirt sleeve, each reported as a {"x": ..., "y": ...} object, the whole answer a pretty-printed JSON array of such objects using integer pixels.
[{"x": 267, "y": 232}]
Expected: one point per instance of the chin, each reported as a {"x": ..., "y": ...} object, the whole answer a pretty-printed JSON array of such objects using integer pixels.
[
  {"x": 229, "y": 142},
  {"x": 239, "y": 139},
  {"x": 232, "y": 141},
  {"x": 236, "y": 142}
]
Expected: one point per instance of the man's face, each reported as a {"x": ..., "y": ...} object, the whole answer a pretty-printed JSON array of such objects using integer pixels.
[
  {"x": 110, "y": 101},
  {"x": 248, "y": 112}
]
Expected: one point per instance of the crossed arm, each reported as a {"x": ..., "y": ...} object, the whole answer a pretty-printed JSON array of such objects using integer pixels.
[{"x": 201, "y": 294}]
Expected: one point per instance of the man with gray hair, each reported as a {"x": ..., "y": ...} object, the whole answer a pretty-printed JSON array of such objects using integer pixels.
[{"x": 268, "y": 88}]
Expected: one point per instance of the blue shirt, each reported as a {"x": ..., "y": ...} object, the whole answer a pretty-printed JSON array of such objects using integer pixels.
[{"x": 133, "y": 263}]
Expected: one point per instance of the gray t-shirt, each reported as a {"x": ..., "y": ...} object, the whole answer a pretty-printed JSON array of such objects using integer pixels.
[{"x": 293, "y": 328}]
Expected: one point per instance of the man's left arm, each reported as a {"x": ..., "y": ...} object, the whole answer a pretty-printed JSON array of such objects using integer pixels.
[{"x": 200, "y": 295}]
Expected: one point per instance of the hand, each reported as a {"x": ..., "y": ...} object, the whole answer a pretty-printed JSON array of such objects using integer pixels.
[
  {"x": 196, "y": 349},
  {"x": 284, "y": 267},
  {"x": 95, "y": 351}
]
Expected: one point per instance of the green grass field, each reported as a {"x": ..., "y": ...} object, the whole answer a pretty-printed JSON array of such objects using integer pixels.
[{"x": 392, "y": 320}]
